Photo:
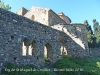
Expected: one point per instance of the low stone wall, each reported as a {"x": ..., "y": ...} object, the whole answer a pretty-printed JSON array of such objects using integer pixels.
[{"x": 94, "y": 52}]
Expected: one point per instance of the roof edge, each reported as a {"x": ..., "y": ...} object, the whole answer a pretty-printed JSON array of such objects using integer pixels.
[
  {"x": 69, "y": 19},
  {"x": 57, "y": 16}
]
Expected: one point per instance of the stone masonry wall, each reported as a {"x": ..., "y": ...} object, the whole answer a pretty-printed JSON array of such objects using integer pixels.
[
  {"x": 54, "y": 19},
  {"x": 22, "y": 11},
  {"x": 44, "y": 16},
  {"x": 65, "y": 19},
  {"x": 16, "y": 31},
  {"x": 40, "y": 15},
  {"x": 94, "y": 52},
  {"x": 78, "y": 34}
]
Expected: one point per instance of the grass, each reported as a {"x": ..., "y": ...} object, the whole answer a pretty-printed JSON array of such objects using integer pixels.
[
  {"x": 79, "y": 66},
  {"x": 65, "y": 66},
  {"x": 46, "y": 58},
  {"x": 12, "y": 69}
]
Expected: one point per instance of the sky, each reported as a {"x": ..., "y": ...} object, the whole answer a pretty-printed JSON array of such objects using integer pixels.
[{"x": 76, "y": 10}]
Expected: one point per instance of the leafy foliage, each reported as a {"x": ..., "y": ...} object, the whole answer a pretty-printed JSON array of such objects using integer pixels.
[
  {"x": 90, "y": 36},
  {"x": 96, "y": 27},
  {"x": 6, "y": 7},
  {"x": 93, "y": 38},
  {"x": 78, "y": 66},
  {"x": 65, "y": 66}
]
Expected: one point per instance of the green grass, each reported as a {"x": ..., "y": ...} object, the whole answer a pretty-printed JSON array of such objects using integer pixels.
[
  {"x": 65, "y": 66},
  {"x": 46, "y": 58},
  {"x": 87, "y": 66}
]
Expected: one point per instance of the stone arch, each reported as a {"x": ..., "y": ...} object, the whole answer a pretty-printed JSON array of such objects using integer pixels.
[
  {"x": 48, "y": 52},
  {"x": 28, "y": 48}
]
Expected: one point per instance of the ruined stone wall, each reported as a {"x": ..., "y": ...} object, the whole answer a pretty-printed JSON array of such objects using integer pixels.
[
  {"x": 44, "y": 16},
  {"x": 94, "y": 52},
  {"x": 38, "y": 14},
  {"x": 54, "y": 19},
  {"x": 22, "y": 11},
  {"x": 78, "y": 34},
  {"x": 65, "y": 19},
  {"x": 15, "y": 29}
]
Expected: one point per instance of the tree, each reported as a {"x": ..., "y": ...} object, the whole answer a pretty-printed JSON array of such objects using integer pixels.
[
  {"x": 91, "y": 39},
  {"x": 88, "y": 27},
  {"x": 96, "y": 27},
  {"x": 90, "y": 35},
  {"x": 6, "y": 7}
]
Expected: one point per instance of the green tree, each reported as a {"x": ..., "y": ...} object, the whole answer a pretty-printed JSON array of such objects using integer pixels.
[
  {"x": 88, "y": 27},
  {"x": 6, "y": 7},
  {"x": 90, "y": 35},
  {"x": 96, "y": 27}
]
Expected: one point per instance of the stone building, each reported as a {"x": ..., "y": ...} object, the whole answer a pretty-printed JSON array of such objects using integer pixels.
[{"x": 25, "y": 37}]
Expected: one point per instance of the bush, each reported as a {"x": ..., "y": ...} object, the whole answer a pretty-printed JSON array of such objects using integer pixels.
[
  {"x": 77, "y": 66},
  {"x": 64, "y": 66}
]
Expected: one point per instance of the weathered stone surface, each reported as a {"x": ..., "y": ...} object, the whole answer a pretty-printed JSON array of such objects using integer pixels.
[
  {"x": 65, "y": 18},
  {"x": 22, "y": 40},
  {"x": 94, "y": 52},
  {"x": 44, "y": 15}
]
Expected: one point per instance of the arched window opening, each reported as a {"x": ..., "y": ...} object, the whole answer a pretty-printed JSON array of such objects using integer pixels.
[
  {"x": 48, "y": 54},
  {"x": 63, "y": 50},
  {"x": 24, "y": 47},
  {"x": 27, "y": 50},
  {"x": 32, "y": 17},
  {"x": 31, "y": 48}
]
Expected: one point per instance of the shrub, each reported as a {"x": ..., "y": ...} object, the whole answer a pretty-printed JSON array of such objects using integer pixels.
[{"x": 79, "y": 66}]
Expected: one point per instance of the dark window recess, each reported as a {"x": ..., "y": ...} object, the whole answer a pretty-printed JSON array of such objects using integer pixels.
[
  {"x": 12, "y": 37},
  {"x": 15, "y": 58},
  {"x": 46, "y": 32},
  {"x": 37, "y": 58}
]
